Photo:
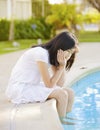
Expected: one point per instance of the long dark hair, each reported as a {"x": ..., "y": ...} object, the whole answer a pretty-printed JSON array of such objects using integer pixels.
[{"x": 64, "y": 41}]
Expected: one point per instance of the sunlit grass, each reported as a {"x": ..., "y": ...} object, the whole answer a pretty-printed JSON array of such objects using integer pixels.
[
  {"x": 89, "y": 37},
  {"x": 7, "y": 46}
]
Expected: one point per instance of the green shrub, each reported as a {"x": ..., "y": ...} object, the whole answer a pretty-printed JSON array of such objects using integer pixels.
[
  {"x": 4, "y": 29},
  {"x": 32, "y": 29},
  {"x": 26, "y": 29}
]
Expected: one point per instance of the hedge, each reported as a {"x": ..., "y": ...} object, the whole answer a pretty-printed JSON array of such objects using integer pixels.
[{"x": 26, "y": 29}]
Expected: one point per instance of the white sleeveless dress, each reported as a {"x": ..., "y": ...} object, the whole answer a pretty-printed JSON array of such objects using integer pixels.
[{"x": 25, "y": 84}]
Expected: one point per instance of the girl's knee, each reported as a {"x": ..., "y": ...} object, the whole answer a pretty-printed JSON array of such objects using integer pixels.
[
  {"x": 63, "y": 95},
  {"x": 70, "y": 91},
  {"x": 59, "y": 94}
]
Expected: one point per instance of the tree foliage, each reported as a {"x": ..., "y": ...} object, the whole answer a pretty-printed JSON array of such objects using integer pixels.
[
  {"x": 64, "y": 16},
  {"x": 92, "y": 17}
]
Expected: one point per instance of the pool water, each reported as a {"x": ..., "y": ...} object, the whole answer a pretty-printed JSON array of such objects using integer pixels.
[{"x": 87, "y": 104}]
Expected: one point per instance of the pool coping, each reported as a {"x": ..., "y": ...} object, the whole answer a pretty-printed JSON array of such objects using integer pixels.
[{"x": 82, "y": 75}]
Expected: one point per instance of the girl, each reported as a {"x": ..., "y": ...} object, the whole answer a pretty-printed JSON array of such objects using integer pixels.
[{"x": 30, "y": 80}]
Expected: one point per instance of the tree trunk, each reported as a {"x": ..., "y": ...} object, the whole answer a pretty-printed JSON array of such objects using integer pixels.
[
  {"x": 11, "y": 30},
  {"x": 95, "y": 4}
]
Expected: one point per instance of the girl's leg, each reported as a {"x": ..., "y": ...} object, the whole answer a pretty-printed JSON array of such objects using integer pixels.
[
  {"x": 70, "y": 102},
  {"x": 61, "y": 97},
  {"x": 70, "y": 99}
]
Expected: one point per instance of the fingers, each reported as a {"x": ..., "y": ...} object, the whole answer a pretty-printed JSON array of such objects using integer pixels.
[
  {"x": 60, "y": 54},
  {"x": 61, "y": 57},
  {"x": 67, "y": 55}
]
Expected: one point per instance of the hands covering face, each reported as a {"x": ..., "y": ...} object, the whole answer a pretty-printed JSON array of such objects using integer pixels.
[{"x": 63, "y": 56}]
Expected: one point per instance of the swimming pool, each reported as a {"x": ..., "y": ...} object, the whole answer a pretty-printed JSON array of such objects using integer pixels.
[{"x": 87, "y": 103}]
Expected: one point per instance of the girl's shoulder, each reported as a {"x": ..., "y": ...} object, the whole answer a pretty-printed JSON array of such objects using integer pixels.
[
  {"x": 38, "y": 54},
  {"x": 41, "y": 54},
  {"x": 36, "y": 50},
  {"x": 40, "y": 50}
]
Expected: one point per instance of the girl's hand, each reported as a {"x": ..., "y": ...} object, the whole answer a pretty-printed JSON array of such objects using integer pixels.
[
  {"x": 61, "y": 58},
  {"x": 67, "y": 55}
]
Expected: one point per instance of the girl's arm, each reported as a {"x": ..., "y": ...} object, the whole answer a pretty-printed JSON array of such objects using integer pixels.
[
  {"x": 62, "y": 77},
  {"x": 43, "y": 68},
  {"x": 61, "y": 80},
  {"x": 49, "y": 81}
]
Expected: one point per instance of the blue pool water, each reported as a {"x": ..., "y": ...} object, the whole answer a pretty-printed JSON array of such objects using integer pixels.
[{"x": 87, "y": 104}]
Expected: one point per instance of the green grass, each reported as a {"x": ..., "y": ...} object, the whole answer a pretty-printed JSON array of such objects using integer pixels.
[
  {"x": 6, "y": 46},
  {"x": 89, "y": 37}
]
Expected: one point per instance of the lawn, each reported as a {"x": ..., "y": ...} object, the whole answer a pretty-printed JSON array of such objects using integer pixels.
[
  {"x": 89, "y": 36},
  {"x": 6, "y": 46}
]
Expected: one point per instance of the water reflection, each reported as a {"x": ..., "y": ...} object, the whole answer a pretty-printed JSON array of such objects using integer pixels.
[{"x": 87, "y": 109}]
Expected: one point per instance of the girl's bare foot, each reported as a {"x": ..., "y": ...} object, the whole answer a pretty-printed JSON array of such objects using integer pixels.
[
  {"x": 71, "y": 118},
  {"x": 66, "y": 122}
]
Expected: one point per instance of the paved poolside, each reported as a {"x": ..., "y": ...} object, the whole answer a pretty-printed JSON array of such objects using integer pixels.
[{"x": 87, "y": 59}]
